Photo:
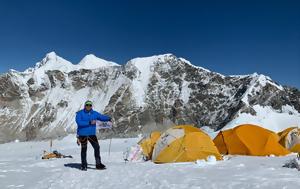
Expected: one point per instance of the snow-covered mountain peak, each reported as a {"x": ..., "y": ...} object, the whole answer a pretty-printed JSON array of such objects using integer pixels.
[
  {"x": 53, "y": 62},
  {"x": 258, "y": 82},
  {"x": 142, "y": 61},
  {"x": 92, "y": 62},
  {"x": 263, "y": 80},
  {"x": 146, "y": 64},
  {"x": 198, "y": 67},
  {"x": 51, "y": 55}
]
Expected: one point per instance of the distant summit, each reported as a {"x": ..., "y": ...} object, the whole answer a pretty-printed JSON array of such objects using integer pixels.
[{"x": 92, "y": 62}]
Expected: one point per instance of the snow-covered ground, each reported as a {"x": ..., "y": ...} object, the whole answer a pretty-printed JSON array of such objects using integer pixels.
[
  {"x": 21, "y": 166},
  {"x": 268, "y": 118}
]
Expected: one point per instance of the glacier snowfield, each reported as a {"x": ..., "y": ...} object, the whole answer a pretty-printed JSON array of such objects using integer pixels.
[{"x": 21, "y": 166}]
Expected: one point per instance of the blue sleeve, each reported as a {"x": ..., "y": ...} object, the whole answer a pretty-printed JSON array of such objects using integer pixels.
[
  {"x": 102, "y": 117},
  {"x": 80, "y": 122}
]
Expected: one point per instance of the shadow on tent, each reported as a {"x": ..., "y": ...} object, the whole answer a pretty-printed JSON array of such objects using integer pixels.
[{"x": 77, "y": 166}]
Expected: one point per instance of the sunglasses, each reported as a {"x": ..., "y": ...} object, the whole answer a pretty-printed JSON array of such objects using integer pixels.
[{"x": 88, "y": 105}]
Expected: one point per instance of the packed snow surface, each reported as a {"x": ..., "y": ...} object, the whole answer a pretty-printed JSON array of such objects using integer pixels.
[{"x": 21, "y": 166}]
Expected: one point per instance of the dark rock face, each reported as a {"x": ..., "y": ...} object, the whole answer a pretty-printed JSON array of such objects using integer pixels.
[
  {"x": 214, "y": 100},
  {"x": 293, "y": 97},
  {"x": 176, "y": 92},
  {"x": 10, "y": 90},
  {"x": 56, "y": 77},
  {"x": 43, "y": 117},
  {"x": 79, "y": 78}
]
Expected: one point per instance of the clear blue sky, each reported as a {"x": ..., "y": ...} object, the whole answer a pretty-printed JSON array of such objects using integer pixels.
[{"x": 229, "y": 37}]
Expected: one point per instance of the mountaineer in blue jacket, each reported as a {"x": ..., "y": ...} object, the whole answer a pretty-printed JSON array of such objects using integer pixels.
[{"x": 86, "y": 131}]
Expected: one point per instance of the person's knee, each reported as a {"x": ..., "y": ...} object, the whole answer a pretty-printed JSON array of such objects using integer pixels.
[
  {"x": 96, "y": 149},
  {"x": 95, "y": 145}
]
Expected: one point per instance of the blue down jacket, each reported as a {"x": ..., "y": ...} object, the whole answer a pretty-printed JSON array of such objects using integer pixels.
[{"x": 83, "y": 118}]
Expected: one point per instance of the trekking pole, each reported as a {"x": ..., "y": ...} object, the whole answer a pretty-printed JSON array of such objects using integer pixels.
[
  {"x": 109, "y": 146},
  {"x": 105, "y": 125},
  {"x": 51, "y": 145}
]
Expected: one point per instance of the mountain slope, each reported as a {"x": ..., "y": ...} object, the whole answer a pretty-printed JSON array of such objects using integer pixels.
[{"x": 143, "y": 95}]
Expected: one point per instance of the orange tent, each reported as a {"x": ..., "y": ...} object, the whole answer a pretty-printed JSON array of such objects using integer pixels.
[
  {"x": 147, "y": 144},
  {"x": 184, "y": 143},
  {"x": 290, "y": 139},
  {"x": 249, "y": 140}
]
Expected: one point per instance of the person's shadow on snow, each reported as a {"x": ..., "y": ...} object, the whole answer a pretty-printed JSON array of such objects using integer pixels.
[{"x": 77, "y": 166}]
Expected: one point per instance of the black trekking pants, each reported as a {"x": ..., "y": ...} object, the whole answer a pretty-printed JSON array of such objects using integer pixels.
[{"x": 94, "y": 142}]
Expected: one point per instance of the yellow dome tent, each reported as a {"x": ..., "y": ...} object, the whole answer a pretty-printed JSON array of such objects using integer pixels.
[
  {"x": 290, "y": 139},
  {"x": 249, "y": 140},
  {"x": 147, "y": 144},
  {"x": 183, "y": 143}
]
